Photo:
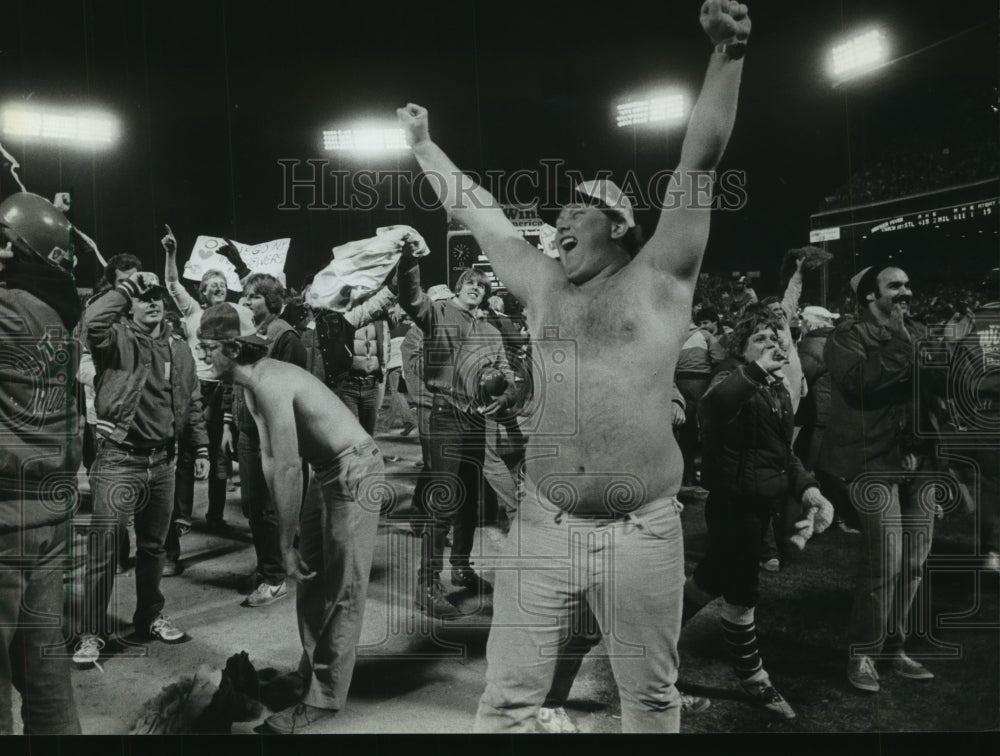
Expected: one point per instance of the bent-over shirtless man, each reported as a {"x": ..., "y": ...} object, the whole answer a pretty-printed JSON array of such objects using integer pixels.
[{"x": 297, "y": 416}]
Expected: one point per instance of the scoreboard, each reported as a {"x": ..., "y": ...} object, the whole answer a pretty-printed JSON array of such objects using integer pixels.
[{"x": 463, "y": 251}]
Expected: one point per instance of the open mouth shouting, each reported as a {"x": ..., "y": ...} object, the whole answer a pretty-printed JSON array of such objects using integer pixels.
[{"x": 568, "y": 243}]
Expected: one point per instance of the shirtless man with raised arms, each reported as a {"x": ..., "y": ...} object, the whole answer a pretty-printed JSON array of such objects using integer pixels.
[{"x": 610, "y": 469}]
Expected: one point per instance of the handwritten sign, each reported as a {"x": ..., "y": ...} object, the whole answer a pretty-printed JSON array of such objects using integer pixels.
[{"x": 268, "y": 257}]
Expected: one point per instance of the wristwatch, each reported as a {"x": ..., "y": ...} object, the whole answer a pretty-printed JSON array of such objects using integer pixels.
[{"x": 735, "y": 50}]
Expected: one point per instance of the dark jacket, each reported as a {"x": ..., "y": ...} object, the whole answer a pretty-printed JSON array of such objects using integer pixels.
[
  {"x": 814, "y": 410},
  {"x": 871, "y": 423},
  {"x": 746, "y": 429},
  {"x": 975, "y": 367},
  {"x": 122, "y": 356},
  {"x": 351, "y": 342},
  {"x": 40, "y": 422}
]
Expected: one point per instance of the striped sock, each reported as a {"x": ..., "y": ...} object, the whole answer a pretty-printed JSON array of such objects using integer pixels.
[{"x": 741, "y": 640}]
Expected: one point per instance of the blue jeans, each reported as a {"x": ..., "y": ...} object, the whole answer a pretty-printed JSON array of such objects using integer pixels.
[
  {"x": 337, "y": 530},
  {"x": 260, "y": 510},
  {"x": 399, "y": 411},
  {"x": 630, "y": 572},
  {"x": 31, "y": 608},
  {"x": 123, "y": 483},
  {"x": 211, "y": 401},
  {"x": 362, "y": 397},
  {"x": 451, "y": 495},
  {"x": 896, "y": 535}
]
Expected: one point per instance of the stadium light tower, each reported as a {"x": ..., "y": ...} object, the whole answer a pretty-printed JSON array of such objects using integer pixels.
[
  {"x": 67, "y": 127},
  {"x": 667, "y": 108},
  {"x": 859, "y": 54},
  {"x": 369, "y": 140}
]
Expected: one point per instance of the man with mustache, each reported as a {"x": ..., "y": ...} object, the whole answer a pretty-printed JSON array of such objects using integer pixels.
[{"x": 872, "y": 366}]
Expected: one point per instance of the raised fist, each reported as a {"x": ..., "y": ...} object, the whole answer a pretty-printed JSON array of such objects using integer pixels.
[
  {"x": 725, "y": 21},
  {"x": 413, "y": 119}
]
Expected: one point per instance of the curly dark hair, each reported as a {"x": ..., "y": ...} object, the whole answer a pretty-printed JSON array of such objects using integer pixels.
[{"x": 754, "y": 317}]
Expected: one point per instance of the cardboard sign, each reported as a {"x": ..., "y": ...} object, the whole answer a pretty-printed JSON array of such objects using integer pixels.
[{"x": 268, "y": 257}]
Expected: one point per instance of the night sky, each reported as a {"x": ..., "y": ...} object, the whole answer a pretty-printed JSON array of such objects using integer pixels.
[{"x": 212, "y": 95}]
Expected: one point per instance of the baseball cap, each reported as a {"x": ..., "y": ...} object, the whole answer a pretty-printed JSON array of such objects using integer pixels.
[
  {"x": 607, "y": 193},
  {"x": 155, "y": 290},
  {"x": 815, "y": 314},
  {"x": 228, "y": 321}
]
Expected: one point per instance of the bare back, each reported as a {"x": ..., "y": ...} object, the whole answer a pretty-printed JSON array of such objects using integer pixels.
[
  {"x": 605, "y": 360},
  {"x": 324, "y": 426}
]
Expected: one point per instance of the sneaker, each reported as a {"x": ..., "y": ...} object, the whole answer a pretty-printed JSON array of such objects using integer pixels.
[
  {"x": 466, "y": 577},
  {"x": 555, "y": 720},
  {"x": 431, "y": 600},
  {"x": 171, "y": 568},
  {"x": 694, "y": 704},
  {"x": 906, "y": 667},
  {"x": 764, "y": 694},
  {"x": 862, "y": 675},
  {"x": 266, "y": 594},
  {"x": 771, "y": 565},
  {"x": 165, "y": 630},
  {"x": 88, "y": 650},
  {"x": 297, "y": 718}
]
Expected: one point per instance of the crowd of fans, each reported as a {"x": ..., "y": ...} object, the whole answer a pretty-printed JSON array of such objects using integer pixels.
[
  {"x": 380, "y": 375},
  {"x": 963, "y": 151},
  {"x": 788, "y": 417}
]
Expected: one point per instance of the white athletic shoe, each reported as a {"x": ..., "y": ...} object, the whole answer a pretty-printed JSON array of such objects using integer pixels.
[
  {"x": 555, "y": 720},
  {"x": 88, "y": 650}
]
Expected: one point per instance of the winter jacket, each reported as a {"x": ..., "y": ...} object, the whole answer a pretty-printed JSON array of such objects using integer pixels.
[
  {"x": 815, "y": 408},
  {"x": 122, "y": 356},
  {"x": 366, "y": 350},
  {"x": 700, "y": 355},
  {"x": 746, "y": 430},
  {"x": 871, "y": 423},
  {"x": 41, "y": 427}
]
